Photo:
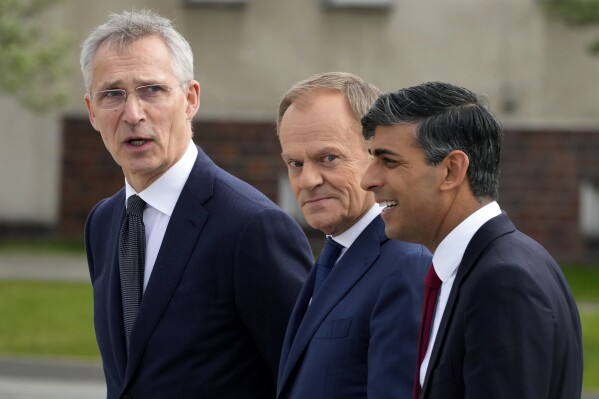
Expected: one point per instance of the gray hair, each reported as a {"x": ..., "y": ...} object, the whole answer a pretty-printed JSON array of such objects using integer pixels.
[
  {"x": 123, "y": 29},
  {"x": 360, "y": 94},
  {"x": 447, "y": 118}
]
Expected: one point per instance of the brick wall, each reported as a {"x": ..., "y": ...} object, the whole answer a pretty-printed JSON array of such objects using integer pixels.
[
  {"x": 539, "y": 185},
  {"x": 541, "y": 172},
  {"x": 249, "y": 151}
]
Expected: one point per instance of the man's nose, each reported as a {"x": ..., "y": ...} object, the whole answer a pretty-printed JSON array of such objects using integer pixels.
[{"x": 310, "y": 177}]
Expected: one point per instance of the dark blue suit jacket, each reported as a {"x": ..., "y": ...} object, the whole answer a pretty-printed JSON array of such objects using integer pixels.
[
  {"x": 511, "y": 328},
  {"x": 358, "y": 337},
  {"x": 212, "y": 319}
]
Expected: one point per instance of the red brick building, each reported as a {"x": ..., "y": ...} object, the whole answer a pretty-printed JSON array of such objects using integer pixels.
[{"x": 543, "y": 176}]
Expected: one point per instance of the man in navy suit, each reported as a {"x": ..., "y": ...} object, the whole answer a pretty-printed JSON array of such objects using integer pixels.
[
  {"x": 353, "y": 335},
  {"x": 222, "y": 265},
  {"x": 506, "y": 325}
]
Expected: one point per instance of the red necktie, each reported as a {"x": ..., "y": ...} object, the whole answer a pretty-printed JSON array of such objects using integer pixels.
[{"x": 432, "y": 283}]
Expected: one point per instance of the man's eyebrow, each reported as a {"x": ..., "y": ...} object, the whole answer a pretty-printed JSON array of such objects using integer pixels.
[{"x": 377, "y": 152}]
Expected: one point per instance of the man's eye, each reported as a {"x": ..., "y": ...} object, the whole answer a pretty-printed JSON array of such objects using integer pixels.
[
  {"x": 390, "y": 162},
  {"x": 330, "y": 158},
  {"x": 295, "y": 164},
  {"x": 111, "y": 94},
  {"x": 150, "y": 90}
]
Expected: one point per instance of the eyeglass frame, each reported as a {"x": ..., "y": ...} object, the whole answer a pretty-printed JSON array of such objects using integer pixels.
[{"x": 167, "y": 88}]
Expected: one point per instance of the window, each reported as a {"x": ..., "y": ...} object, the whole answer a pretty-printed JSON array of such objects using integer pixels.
[
  {"x": 364, "y": 4},
  {"x": 214, "y": 2},
  {"x": 287, "y": 201},
  {"x": 589, "y": 209}
]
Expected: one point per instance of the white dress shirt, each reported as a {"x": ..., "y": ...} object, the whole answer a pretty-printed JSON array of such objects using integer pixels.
[
  {"x": 161, "y": 198},
  {"x": 446, "y": 260},
  {"x": 350, "y": 235}
]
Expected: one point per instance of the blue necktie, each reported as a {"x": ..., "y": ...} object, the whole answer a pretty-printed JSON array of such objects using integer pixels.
[
  {"x": 326, "y": 261},
  {"x": 132, "y": 253}
]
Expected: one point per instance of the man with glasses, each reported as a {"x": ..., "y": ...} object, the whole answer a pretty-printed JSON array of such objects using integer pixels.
[{"x": 194, "y": 272}]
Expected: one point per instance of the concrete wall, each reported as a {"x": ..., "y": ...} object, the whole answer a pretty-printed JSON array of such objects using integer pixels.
[{"x": 534, "y": 71}]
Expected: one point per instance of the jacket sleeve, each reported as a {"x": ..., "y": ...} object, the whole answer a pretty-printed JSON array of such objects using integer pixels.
[{"x": 272, "y": 259}]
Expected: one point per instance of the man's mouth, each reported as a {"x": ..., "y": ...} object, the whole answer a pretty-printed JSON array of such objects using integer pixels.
[
  {"x": 137, "y": 142},
  {"x": 387, "y": 205},
  {"x": 315, "y": 200}
]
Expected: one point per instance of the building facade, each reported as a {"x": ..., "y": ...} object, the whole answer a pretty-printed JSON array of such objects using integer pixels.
[{"x": 535, "y": 72}]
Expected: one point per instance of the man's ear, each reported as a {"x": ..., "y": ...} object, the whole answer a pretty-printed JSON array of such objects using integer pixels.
[
  {"x": 90, "y": 111},
  {"x": 193, "y": 99},
  {"x": 455, "y": 166}
]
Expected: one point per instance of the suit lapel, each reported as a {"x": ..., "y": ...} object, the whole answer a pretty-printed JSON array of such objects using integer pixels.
[
  {"x": 179, "y": 241},
  {"x": 488, "y": 232},
  {"x": 350, "y": 268}
]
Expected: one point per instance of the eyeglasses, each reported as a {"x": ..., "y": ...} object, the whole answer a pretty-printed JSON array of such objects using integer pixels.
[{"x": 116, "y": 98}]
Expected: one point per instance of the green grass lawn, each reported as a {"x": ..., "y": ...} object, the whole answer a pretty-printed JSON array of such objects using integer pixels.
[
  {"x": 590, "y": 339},
  {"x": 55, "y": 319},
  {"x": 46, "y": 318},
  {"x": 42, "y": 245}
]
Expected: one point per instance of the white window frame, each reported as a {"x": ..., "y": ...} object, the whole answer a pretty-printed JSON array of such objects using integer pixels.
[
  {"x": 361, "y": 4},
  {"x": 589, "y": 209},
  {"x": 194, "y": 3},
  {"x": 287, "y": 200}
]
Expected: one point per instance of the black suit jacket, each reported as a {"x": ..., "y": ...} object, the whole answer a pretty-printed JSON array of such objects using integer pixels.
[
  {"x": 511, "y": 329},
  {"x": 212, "y": 319},
  {"x": 358, "y": 338}
]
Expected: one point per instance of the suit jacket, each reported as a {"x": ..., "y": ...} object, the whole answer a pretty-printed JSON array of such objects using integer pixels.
[
  {"x": 213, "y": 316},
  {"x": 511, "y": 327},
  {"x": 358, "y": 337}
]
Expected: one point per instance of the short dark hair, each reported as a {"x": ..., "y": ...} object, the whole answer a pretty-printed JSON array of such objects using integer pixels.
[{"x": 447, "y": 118}]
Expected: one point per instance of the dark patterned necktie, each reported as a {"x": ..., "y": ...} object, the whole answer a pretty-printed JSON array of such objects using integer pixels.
[
  {"x": 132, "y": 252},
  {"x": 432, "y": 283},
  {"x": 326, "y": 261}
]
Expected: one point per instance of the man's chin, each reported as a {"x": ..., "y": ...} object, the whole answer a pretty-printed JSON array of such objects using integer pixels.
[
  {"x": 319, "y": 225},
  {"x": 392, "y": 233}
]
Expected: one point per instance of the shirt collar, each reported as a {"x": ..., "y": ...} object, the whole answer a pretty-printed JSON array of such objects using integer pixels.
[
  {"x": 348, "y": 237},
  {"x": 164, "y": 192},
  {"x": 451, "y": 250}
]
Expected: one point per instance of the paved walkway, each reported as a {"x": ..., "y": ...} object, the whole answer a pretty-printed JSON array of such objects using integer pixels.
[
  {"x": 60, "y": 379},
  {"x": 67, "y": 267},
  {"x": 50, "y": 379}
]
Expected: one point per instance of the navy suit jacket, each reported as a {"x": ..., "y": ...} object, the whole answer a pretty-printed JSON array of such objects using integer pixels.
[
  {"x": 213, "y": 316},
  {"x": 511, "y": 328},
  {"x": 358, "y": 337}
]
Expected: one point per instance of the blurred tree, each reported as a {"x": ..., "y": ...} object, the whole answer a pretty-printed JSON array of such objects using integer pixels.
[
  {"x": 33, "y": 58},
  {"x": 575, "y": 13}
]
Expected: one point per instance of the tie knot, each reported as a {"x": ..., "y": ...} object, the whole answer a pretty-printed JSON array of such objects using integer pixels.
[
  {"x": 432, "y": 280},
  {"x": 135, "y": 206},
  {"x": 330, "y": 253}
]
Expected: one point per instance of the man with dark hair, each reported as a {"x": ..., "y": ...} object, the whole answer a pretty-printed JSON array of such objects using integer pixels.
[{"x": 499, "y": 320}]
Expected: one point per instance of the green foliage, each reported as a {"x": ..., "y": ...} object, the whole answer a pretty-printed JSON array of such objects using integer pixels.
[
  {"x": 33, "y": 57},
  {"x": 575, "y": 13}
]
